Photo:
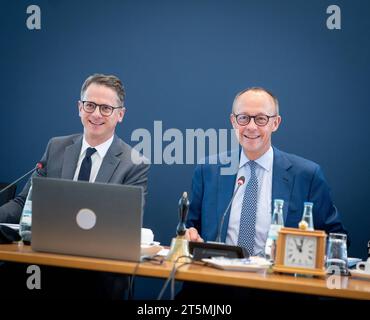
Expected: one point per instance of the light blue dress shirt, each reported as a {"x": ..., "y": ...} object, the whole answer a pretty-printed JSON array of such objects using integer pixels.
[{"x": 263, "y": 217}]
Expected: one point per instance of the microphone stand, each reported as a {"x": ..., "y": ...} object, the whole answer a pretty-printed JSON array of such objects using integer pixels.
[
  {"x": 218, "y": 238},
  {"x": 16, "y": 181},
  {"x": 217, "y": 248},
  {"x": 39, "y": 166}
]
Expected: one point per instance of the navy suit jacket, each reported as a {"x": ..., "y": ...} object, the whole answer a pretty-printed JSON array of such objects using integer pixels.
[{"x": 295, "y": 180}]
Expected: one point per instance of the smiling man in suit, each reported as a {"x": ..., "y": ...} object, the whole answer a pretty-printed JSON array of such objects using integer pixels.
[
  {"x": 269, "y": 174},
  {"x": 97, "y": 155}
]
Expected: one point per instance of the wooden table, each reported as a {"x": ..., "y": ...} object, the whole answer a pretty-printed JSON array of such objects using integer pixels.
[{"x": 351, "y": 288}]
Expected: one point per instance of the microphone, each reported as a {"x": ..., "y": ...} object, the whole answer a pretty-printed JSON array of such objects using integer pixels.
[
  {"x": 240, "y": 182},
  {"x": 209, "y": 249},
  {"x": 39, "y": 166}
]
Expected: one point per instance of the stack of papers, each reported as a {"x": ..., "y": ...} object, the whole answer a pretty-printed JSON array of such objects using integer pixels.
[
  {"x": 246, "y": 264},
  {"x": 148, "y": 246},
  {"x": 11, "y": 225},
  {"x": 150, "y": 249}
]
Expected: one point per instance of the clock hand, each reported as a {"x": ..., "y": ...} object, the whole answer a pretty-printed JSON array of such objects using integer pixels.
[{"x": 299, "y": 247}]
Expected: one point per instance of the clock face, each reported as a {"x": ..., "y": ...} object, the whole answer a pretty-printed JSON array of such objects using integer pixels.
[{"x": 300, "y": 251}]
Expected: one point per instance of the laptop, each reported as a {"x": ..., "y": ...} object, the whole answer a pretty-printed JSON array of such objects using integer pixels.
[{"x": 89, "y": 219}]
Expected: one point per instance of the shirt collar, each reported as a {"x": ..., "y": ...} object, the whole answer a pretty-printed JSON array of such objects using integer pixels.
[
  {"x": 265, "y": 161},
  {"x": 101, "y": 149}
]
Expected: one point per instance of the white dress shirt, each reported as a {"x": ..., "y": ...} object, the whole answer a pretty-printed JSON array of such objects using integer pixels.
[
  {"x": 263, "y": 216},
  {"x": 96, "y": 158}
]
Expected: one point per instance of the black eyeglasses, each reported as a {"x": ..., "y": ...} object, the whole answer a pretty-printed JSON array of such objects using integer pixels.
[
  {"x": 260, "y": 120},
  {"x": 105, "y": 110}
]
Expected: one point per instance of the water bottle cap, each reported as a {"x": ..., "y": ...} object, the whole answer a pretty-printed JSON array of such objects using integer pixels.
[{"x": 278, "y": 201}]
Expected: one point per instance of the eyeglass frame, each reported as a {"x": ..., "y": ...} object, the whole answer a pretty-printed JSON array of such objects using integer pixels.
[
  {"x": 100, "y": 106},
  {"x": 254, "y": 119}
]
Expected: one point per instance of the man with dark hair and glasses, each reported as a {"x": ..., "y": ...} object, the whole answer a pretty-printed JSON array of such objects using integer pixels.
[
  {"x": 97, "y": 155},
  {"x": 269, "y": 174}
]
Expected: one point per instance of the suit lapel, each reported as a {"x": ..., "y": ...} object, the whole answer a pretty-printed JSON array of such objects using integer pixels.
[
  {"x": 110, "y": 162},
  {"x": 70, "y": 160},
  {"x": 282, "y": 183},
  {"x": 282, "y": 180}
]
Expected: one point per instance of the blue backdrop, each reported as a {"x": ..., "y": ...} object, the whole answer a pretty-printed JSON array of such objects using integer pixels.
[{"x": 182, "y": 62}]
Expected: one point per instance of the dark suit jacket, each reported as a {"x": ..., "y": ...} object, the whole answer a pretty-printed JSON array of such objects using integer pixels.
[
  {"x": 295, "y": 180},
  {"x": 61, "y": 156}
]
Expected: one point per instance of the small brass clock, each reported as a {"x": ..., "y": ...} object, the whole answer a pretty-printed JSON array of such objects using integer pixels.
[{"x": 300, "y": 251}]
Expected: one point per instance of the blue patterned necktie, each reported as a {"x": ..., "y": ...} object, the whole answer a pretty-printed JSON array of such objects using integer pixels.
[
  {"x": 247, "y": 230},
  {"x": 85, "y": 170}
]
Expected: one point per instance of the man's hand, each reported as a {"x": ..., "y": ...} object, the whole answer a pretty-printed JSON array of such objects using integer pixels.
[{"x": 192, "y": 234}]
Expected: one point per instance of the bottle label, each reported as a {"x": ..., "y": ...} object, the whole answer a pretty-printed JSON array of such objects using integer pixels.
[
  {"x": 274, "y": 231},
  {"x": 26, "y": 218},
  {"x": 268, "y": 247}
]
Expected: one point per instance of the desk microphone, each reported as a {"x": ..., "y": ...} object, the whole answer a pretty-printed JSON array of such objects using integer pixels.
[
  {"x": 216, "y": 248},
  {"x": 240, "y": 182},
  {"x": 39, "y": 166}
]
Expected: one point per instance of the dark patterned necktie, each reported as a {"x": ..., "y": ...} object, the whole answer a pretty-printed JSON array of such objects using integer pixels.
[
  {"x": 247, "y": 230},
  {"x": 84, "y": 174}
]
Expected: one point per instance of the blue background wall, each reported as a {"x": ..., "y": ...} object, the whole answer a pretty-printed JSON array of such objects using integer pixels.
[{"x": 182, "y": 62}]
